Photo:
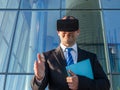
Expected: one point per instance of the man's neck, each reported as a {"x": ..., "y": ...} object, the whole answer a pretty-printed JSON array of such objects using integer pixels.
[
  {"x": 61, "y": 44},
  {"x": 68, "y": 45}
]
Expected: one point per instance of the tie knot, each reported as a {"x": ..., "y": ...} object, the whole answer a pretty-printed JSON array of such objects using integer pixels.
[{"x": 68, "y": 49}]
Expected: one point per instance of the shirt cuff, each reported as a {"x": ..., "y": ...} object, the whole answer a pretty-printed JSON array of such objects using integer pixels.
[{"x": 38, "y": 82}]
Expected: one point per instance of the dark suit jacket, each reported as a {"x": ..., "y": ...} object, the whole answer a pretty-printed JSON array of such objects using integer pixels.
[{"x": 55, "y": 72}]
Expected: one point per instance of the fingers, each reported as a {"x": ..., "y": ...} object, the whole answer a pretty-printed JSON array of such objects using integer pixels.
[
  {"x": 39, "y": 70},
  {"x": 72, "y": 80},
  {"x": 40, "y": 58},
  {"x": 36, "y": 68},
  {"x": 69, "y": 79},
  {"x": 71, "y": 73},
  {"x": 39, "y": 67}
]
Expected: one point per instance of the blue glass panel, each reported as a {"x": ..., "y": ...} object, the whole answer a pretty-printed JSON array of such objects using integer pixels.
[
  {"x": 112, "y": 30},
  {"x": 8, "y": 24},
  {"x": 112, "y": 26},
  {"x": 116, "y": 82},
  {"x": 2, "y": 77},
  {"x": 7, "y": 27},
  {"x": 3, "y": 55},
  {"x": 114, "y": 54},
  {"x": 110, "y": 4},
  {"x": 1, "y": 17},
  {"x": 11, "y": 4},
  {"x": 40, "y": 4},
  {"x": 18, "y": 82},
  {"x": 35, "y": 32},
  {"x": 80, "y": 4},
  {"x": 3, "y": 3}
]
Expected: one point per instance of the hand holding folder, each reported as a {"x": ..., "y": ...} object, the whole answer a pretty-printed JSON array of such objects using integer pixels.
[{"x": 82, "y": 68}]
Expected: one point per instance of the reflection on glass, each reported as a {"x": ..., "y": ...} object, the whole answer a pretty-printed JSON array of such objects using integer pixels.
[
  {"x": 33, "y": 33},
  {"x": 40, "y": 4},
  {"x": 114, "y": 53},
  {"x": 3, "y": 56},
  {"x": 110, "y": 4},
  {"x": 3, "y": 3},
  {"x": 112, "y": 20},
  {"x": 11, "y": 4},
  {"x": 18, "y": 82},
  {"x": 112, "y": 26},
  {"x": 80, "y": 4},
  {"x": 116, "y": 82},
  {"x": 1, "y": 82},
  {"x": 7, "y": 26}
]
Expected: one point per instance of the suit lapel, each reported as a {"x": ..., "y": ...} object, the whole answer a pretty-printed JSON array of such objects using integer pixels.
[
  {"x": 60, "y": 57},
  {"x": 81, "y": 55},
  {"x": 61, "y": 60}
]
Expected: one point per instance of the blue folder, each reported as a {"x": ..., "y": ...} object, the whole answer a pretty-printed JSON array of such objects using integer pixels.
[{"x": 82, "y": 68}]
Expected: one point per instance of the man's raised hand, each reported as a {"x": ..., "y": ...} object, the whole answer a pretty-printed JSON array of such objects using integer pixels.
[{"x": 39, "y": 67}]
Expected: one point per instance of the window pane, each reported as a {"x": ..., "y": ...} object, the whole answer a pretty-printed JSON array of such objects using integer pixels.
[
  {"x": 3, "y": 56},
  {"x": 114, "y": 54},
  {"x": 2, "y": 77},
  {"x": 110, "y": 4},
  {"x": 40, "y": 4},
  {"x": 80, "y": 4},
  {"x": 3, "y": 3},
  {"x": 18, "y": 82},
  {"x": 112, "y": 27},
  {"x": 8, "y": 25},
  {"x": 1, "y": 17},
  {"x": 116, "y": 82},
  {"x": 6, "y": 36},
  {"x": 11, "y": 4},
  {"x": 35, "y": 32}
]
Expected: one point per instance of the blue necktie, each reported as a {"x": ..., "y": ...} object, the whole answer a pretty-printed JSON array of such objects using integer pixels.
[{"x": 69, "y": 56}]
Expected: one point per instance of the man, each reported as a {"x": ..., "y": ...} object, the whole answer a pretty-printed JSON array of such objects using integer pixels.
[{"x": 50, "y": 67}]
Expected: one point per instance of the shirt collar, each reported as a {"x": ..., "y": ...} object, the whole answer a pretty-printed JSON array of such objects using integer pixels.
[{"x": 64, "y": 47}]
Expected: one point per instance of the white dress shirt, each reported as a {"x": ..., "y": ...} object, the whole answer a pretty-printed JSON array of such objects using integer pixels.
[{"x": 74, "y": 52}]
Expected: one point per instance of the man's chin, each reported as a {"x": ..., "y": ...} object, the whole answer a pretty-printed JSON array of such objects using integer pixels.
[{"x": 68, "y": 43}]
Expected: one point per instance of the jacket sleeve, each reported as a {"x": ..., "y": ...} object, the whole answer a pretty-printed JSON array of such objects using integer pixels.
[
  {"x": 100, "y": 81},
  {"x": 35, "y": 85}
]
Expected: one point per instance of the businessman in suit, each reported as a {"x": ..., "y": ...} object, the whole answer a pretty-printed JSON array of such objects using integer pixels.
[{"x": 50, "y": 68}]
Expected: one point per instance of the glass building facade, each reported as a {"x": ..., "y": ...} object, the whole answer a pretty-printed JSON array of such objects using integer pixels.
[{"x": 29, "y": 26}]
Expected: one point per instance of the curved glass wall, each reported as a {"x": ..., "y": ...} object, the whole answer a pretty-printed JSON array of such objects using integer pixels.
[
  {"x": 29, "y": 26},
  {"x": 35, "y": 32},
  {"x": 91, "y": 34},
  {"x": 112, "y": 27}
]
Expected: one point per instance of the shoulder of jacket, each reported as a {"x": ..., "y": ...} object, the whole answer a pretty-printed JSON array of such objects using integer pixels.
[{"x": 86, "y": 52}]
